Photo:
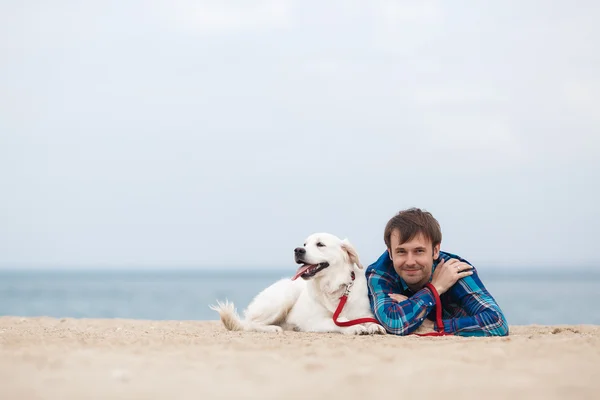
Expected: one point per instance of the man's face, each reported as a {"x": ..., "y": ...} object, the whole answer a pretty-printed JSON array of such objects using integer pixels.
[{"x": 413, "y": 260}]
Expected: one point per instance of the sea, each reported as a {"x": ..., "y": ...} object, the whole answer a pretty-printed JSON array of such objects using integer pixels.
[{"x": 527, "y": 296}]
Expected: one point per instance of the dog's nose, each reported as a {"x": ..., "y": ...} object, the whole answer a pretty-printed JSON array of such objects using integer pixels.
[{"x": 299, "y": 251}]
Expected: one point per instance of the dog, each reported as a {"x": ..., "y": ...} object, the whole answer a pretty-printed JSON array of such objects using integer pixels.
[{"x": 306, "y": 302}]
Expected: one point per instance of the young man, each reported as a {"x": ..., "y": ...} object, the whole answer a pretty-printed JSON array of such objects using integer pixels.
[{"x": 400, "y": 297}]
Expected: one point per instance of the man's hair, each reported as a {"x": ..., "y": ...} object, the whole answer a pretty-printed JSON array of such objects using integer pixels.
[{"x": 410, "y": 223}]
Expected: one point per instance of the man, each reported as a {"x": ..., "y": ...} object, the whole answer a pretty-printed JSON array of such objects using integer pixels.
[{"x": 400, "y": 296}]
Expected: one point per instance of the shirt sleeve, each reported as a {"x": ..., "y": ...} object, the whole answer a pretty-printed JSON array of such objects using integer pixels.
[
  {"x": 484, "y": 316},
  {"x": 399, "y": 318}
]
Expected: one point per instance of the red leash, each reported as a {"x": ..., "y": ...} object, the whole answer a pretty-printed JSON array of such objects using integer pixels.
[
  {"x": 352, "y": 322},
  {"x": 438, "y": 315},
  {"x": 340, "y": 306},
  {"x": 438, "y": 312}
]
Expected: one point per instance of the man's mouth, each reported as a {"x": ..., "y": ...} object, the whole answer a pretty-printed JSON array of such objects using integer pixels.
[{"x": 306, "y": 271}]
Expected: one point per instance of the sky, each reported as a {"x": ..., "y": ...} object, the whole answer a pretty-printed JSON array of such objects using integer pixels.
[{"x": 220, "y": 134}]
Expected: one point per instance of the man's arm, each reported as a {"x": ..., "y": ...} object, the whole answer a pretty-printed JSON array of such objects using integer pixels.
[
  {"x": 399, "y": 318},
  {"x": 484, "y": 316}
]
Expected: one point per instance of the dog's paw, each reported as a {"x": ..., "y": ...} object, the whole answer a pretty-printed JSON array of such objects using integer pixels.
[
  {"x": 375, "y": 329},
  {"x": 356, "y": 330},
  {"x": 273, "y": 329}
]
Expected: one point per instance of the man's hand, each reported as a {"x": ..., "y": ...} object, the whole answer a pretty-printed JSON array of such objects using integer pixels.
[
  {"x": 397, "y": 297},
  {"x": 425, "y": 327},
  {"x": 447, "y": 273}
]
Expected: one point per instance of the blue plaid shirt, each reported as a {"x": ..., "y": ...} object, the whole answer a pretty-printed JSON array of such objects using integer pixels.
[{"x": 468, "y": 309}]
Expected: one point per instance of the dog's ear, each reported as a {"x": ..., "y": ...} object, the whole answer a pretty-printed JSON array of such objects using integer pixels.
[{"x": 351, "y": 252}]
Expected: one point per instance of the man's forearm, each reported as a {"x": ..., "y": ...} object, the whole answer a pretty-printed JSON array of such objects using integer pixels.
[
  {"x": 488, "y": 322},
  {"x": 483, "y": 315},
  {"x": 404, "y": 317}
]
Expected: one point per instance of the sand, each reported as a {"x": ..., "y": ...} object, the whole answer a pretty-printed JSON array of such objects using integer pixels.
[{"x": 47, "y": 358}]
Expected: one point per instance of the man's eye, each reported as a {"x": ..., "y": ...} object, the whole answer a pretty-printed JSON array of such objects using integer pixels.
[{"x": 319, "y": 244}]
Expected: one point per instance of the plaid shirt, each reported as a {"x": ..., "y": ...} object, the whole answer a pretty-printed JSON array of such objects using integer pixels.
[{"x": 468, "y": 309}]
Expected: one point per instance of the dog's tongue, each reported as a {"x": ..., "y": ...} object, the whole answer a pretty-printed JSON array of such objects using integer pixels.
[{"x": 302, "y": 270}]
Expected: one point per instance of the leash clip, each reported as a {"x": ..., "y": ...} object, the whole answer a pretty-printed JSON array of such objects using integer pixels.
[{"x": 348, "y": 287}]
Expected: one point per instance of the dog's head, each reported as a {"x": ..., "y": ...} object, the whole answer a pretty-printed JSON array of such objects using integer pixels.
[{"x": 322, "y": 253}]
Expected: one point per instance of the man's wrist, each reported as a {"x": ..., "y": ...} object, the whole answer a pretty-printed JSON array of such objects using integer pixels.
[{"x": 438, "y": 288}]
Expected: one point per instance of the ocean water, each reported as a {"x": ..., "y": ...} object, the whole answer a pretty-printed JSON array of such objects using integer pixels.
[{"x": 526, "y": 296}]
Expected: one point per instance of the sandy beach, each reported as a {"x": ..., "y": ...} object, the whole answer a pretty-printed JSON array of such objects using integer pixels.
[{"x": 48, "y": 358}]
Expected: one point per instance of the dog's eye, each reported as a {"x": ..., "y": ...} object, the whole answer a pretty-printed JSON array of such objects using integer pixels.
[{"x": 319, "y": 244}]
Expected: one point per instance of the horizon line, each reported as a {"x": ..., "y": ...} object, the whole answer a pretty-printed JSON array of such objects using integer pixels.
[{"x": 263, "y": 268}]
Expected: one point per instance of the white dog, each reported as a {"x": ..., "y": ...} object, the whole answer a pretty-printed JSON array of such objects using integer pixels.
[{"x": 329, "y": 268}]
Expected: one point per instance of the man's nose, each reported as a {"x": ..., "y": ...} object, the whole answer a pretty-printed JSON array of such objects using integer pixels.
[
  {"x": 299, "y": 251},
  {"x": 410, "y": 260}
]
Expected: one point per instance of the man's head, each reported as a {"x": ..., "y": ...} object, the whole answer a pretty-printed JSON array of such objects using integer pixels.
[{"x": 413, "y": 239}]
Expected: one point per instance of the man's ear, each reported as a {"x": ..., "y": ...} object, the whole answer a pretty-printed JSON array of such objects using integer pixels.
[
  {"x": 351, "y": 253},
  {"x": 436, "y": 251}
]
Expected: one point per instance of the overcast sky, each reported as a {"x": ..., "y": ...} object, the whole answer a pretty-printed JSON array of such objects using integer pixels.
[{"x": 220, "y": 133}]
